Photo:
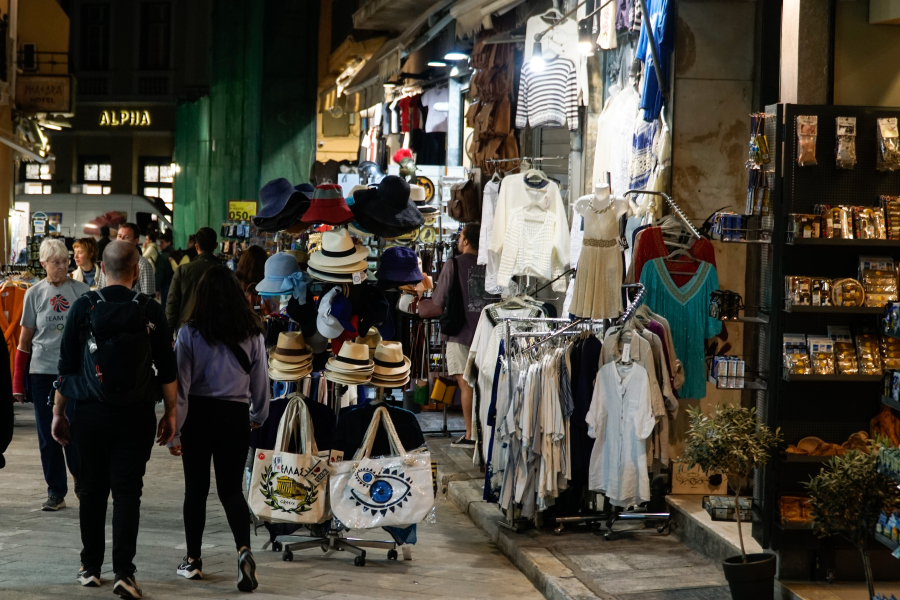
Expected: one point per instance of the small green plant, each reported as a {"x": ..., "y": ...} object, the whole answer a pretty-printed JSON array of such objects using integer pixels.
[
  {"x": 731, "y": 442},
  {"x": 847, "y": 497}
]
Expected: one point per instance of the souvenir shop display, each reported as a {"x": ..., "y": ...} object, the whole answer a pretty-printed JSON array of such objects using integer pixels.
[
  {"x": 399, "y": 267},
  {"x": 351, "y": 366},
  {"x": 283, "y": 205},
  {"x": 888, "y": 136},
  {"x": 283, "y": 276},
  {"x": 387, "y": 211},
  {"x": 291, "y": 358},
  {"x": 845, "y": 154},
  {"x": 371, "y": 340},
  {"x": 339, "y": 260},
  {"x": 391, "y": 367},
  {"x": 807, "y": 131}
]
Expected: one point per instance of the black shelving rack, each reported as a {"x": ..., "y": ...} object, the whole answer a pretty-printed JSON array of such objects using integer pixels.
[{"x": 831, "y": 407}]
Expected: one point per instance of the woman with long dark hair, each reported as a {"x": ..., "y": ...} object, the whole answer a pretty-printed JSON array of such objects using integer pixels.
[
  {"x": 223, "y": 393},
  {"x": 251, "y": 269}
]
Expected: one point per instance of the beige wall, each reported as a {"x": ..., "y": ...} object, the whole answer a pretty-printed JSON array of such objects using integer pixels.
[
  {"x": 43, "y": 22},
  {"x": 866, "y": 58}
]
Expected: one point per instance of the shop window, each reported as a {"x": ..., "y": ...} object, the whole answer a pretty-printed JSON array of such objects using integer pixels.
[
  {"x": 95, "y": 26},
  {"x": 157, "y": 177},
  {"x": 156, "y": 29},
  {"x": 37, "y": 178},
  {"x": 96, "y": 174}
]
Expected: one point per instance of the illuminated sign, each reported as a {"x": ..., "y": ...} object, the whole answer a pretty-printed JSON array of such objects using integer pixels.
[
  {"x": 125, "y": 118},
  {"x": 44, "y": 93}
]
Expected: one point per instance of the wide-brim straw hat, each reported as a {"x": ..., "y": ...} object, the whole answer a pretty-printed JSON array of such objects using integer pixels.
[
  {"x": 338, "y": 250},
  {"x": 277, "y": 375},
  {"x": 348, "y": 379},
  {"x": 352, "y": 357},
  {"x": 389, "y": 360},
  {"x": 291, "y": 348}
]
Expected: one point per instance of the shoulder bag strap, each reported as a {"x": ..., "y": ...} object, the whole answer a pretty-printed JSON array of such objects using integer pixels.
[
  {"x": 303, "y": 426},
  {"x": 285, "y": 426}
]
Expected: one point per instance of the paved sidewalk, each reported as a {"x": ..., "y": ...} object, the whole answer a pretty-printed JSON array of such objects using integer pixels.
[{"x": 39, "y": 551}]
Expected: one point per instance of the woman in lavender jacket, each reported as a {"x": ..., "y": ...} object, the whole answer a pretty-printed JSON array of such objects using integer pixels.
[{"x": 223, "y": 393}]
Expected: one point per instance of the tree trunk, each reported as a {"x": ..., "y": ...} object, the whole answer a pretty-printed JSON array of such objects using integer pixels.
[
  {"x": 867, "y": 565},
  {"x": 737, "y": 513}
]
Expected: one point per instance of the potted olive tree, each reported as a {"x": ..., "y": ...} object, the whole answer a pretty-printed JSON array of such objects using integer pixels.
[
  {"x": 847, "y": 497},
  {"x": 733, "y": 443}
]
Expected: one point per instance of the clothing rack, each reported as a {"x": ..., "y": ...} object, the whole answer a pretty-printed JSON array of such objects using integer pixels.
[
  {"x": 671, "y": 202},
  {"x": 525, "y": 158}
]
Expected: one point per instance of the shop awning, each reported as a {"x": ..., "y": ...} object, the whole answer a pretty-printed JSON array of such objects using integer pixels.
[
  {"x": 474, "y": 15},
  {"x": 390, "y": 15},
  {"x": 21, "y": 148}
]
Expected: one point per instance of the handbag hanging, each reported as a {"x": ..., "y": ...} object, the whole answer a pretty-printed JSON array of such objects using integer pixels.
[
  {"x": 286, "y": 487},
  {"x": 420, "y": 394},
  {"x": 392, "y": 490},
  {"x": 454, "y": 318}
]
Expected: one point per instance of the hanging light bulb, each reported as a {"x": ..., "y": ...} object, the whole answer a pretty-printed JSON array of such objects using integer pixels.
[
  {"x": 457, "y": 52},
  {"x": 585, "y": 38},
  {"x": 454, "y": 72},
  {"x": 537, "y": 56}
]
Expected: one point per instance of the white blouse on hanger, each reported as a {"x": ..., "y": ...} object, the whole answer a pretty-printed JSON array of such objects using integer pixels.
[{"x": 485, "y": 256}]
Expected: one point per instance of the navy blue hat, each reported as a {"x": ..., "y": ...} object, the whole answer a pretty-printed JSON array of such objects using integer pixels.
[
  {"x": 387, "y": 210},
  {"x": 283, "y": 204},
  {"x": 399, "y": 266}
]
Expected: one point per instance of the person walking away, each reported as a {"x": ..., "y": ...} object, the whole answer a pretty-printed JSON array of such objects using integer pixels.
[
  {"x": 458, "y": 345},
  {"x": 164, "y": 269},
  {"x": 115, "y": 415},
  {"x": 151, "y": 249},
  {"x": 86, "y": 253},
  {"x": 146, "y": 283},
  {"x": 47, "y": 305},
  {"x": 223, "y": 393},
  {"x": 251, "y": 270},
  {"x": 186, "y": 278},
  {"x": 103, "y": 242}
]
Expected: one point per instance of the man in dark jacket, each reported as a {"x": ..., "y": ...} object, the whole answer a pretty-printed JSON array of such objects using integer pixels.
[
  {"x": 186, "y": 278},
  {"x": 104, "y": 241},
  {"x": 164, "y": 270}
]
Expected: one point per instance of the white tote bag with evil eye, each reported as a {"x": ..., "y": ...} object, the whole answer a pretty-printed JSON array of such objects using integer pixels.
[
  {"x": 394, "y": 490},
  {"x": 287, "y": 487}
]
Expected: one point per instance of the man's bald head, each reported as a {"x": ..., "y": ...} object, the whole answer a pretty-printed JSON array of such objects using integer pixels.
[{"x": 119, "y": 260}]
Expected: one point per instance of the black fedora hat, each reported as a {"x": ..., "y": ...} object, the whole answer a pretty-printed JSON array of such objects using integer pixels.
[{"x": 386, "y": 210}]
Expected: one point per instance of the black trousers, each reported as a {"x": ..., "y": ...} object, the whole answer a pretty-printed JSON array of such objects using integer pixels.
[
  {"x": 114, "y": 443},
  {"x": 218, "y": 432}
]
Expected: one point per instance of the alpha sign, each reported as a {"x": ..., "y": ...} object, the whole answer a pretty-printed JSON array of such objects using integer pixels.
[{"x": 125, "y": 118}]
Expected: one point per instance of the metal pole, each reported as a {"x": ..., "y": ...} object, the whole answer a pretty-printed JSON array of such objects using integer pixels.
[{"x": 654, "y": 52}]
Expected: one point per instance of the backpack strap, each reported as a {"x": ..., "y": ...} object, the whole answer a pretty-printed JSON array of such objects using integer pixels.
[
  {"x": 241, "y": 357},
  {"x": 142, "y": 300}
]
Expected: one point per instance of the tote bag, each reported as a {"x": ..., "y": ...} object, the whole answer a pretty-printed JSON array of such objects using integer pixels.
[
  {"x": 287, "y": 487},
  {"x": 376, "y": 492}
]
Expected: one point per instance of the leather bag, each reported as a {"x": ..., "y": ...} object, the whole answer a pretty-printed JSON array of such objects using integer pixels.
[{"x": 465, "y": 202}]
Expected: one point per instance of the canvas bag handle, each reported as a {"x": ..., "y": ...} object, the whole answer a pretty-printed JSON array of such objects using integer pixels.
[
  {"x": 366, "y": 448},
  {"x": 296, "y": 423}
]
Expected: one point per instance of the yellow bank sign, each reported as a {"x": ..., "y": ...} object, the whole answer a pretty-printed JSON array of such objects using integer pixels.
[{"x": 125, "y": 118}]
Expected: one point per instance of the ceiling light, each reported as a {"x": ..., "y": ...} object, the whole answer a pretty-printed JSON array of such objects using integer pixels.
[
  {"x": 457, "y": 53},
  {"x": 454, "y": 72},
  {"x": 437, "y": 63},
  {"x": 537, "y": 57},
  {"x": 585, "y": 38}
]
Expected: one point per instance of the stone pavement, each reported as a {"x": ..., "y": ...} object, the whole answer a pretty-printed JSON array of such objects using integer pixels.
[{"x": 39, "y": 552}]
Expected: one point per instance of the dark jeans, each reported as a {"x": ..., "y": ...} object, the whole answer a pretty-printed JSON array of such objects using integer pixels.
[
  {"x": 216, "y": 431},
  {"x": 114, "y": 444},
  {"x": 54, "y": 457}
]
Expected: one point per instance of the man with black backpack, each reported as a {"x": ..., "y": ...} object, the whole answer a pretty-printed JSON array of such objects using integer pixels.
[{"x": 112, "y": 340}]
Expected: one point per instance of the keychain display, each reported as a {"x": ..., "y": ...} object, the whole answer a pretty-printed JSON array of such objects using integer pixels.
[
  {"x": 759, "y": 144},
  {"x": 845, "y": 153},
  {"x": 888, "y": 139},
  {"x": 807, "y": 132},
  {"x": 758, "y": 198}
]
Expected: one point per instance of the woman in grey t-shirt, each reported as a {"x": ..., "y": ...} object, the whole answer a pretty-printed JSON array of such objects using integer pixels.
[{"x": 46, "y": 307}]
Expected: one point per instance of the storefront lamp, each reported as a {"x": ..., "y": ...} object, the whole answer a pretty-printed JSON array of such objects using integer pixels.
[
  {"x": 537, "y": 56},
  {"x": 456, "y": 53},
  {"x": 437, "y": 63}
]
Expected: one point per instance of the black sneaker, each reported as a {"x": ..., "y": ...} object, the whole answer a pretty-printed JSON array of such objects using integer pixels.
[
  {"x": 462, "y": 441},
  {"x": 247, "y": 581},
  {"x": 127, "y": 587},
  {"x": 191, "y": 569},
  {"x": 54, "y": 503},
  {"x": 88, "y": 577}
]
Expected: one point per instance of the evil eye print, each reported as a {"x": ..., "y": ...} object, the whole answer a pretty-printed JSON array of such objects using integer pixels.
[
  {"x": 365, "y": 477},
  {"x": 388, "y": 491}
]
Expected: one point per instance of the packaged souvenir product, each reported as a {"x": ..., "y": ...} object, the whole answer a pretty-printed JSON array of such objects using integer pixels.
[
  {"x": 880, "y": 286},
  {"x": 845, "y": 362},
  {"x": 806, "y": 226},
  {"x": 797, "y": 290},
  {"x": 890, "y": 353},
  {"x": 847, "y": 292},
  {"x": 888, "y": 157},
  {"x": 820, "y": 291},
  {"x": 891, "y": 207},
  {"x": 807, "y": 130},
  {"x": 868, "y": 353},
  {"x": 845, "y": 217},
  {"x": 821, "y": 355},
  {"x": 869, "y": 223},
  {"x": 796, "y": 354},
  {"x": 845, "y": 155}
]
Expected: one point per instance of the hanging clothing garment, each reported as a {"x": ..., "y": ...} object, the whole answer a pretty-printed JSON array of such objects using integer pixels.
[
  {"x": 597, "y": 293},
  {"x": 485, "y": 256},
  {"x": 615, "y": 135},
  {"x": 688, "y": 306},
  {"x": 650, "y": 244},
  {"x": 562, "y": 40},
  {"x": 585, "y": 360},
  {"x": 620, "y": 420},
  {"x": 548, "y": 97},
  {"x": 661, "y": 16},
  {"x": 12, "y": 301},
  {"x": 643, "y": 161}
]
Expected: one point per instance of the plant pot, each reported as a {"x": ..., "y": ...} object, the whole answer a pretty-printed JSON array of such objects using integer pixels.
[{"x": 753, "y": 580}]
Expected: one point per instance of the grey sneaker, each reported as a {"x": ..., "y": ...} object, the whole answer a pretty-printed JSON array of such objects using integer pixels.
[
  {"x": 54, "y": 503},
  {"x": 247, "y": 581},
  {"x": 88, "y": 577}
]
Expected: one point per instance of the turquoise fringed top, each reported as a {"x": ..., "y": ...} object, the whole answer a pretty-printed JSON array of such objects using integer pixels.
[{"x": 686, "y": 309}]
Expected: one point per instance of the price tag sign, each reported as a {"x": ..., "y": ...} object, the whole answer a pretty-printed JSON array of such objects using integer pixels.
[
  {"x": 357, "y": 278},
  {"x": 241, "y": 210}
]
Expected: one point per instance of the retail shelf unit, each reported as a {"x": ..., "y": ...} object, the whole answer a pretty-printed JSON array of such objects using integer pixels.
[{"x": 828, "y": 407}]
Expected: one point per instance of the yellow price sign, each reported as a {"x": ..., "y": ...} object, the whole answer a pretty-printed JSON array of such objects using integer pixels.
[{"x": 241, "y": 210}]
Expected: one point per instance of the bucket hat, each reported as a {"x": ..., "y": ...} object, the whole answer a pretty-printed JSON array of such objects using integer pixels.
[
  {"x": 291, "y": 348},
  {"x": 283, "y": 204},
  {"x": 371, "y": 340},
  {"x": 389, "y": 360},
  {"x": 386, "y": 211},
  {"x": 328, "y": 324},
  {"x": 328, "y": 206},
  {"x": 283, "y": 276},
  {"x": 399, "y": 266},
  {"x": 352, "y": 358}
]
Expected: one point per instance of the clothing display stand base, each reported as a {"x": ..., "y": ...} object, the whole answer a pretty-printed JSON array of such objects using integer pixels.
[
  {"x": 334, "y": 542},
  {"x": 662, "y": 529},
  {"x": 561, "y": 522}
]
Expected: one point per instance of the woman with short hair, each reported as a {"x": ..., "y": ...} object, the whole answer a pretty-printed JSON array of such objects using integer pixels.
[
  {"x": 44, "y": 315},
  {"x": 86, "y": 252}
]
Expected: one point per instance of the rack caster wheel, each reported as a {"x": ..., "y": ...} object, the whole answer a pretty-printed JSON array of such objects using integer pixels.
[
  {"x": 392, "y": 555},
  {"x": 276, "y": 547},
  {"x": 663, "y": 529},
  {"x": 608, "y": 537},
  {"x": 558, "y": 531},
  {"x": 359, "y": 561},
  {"x": 287, "y": 556}
]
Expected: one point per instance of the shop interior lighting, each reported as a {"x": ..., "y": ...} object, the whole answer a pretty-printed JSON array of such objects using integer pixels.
[
  {"x": 456, "y": 53},
  {"x": 585, "y": 38},
  {"x": 454, "y": 72},
  {"x": 437, "y": 63},
  {"x": 537, "y": 55}
]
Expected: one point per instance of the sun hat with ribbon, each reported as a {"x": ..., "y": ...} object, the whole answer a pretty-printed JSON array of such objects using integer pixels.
[
  {"x": 291, "y": 348},
  {"x": 399, "y": 266},
  {"x": 386, "y": 211},
  {"x": 337, "y": 250},
  {"x": 389, "y": 360},
  {"x": 352, "y": 358},
  {"x": 283, "y": 276},
  {"x": 328, "y": 206}
]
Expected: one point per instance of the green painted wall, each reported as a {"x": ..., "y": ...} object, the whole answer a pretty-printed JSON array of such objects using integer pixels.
[{"x": 258, "y": 122}]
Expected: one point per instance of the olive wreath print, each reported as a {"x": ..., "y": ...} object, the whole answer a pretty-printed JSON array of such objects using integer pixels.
[{"x": 265, "y": 489}]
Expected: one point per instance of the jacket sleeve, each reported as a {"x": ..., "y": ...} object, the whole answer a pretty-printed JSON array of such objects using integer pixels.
[
  {"x": 173, "y": 304},
  {"x": 259, "y": 383},
  {"x": 442, "y": 288},
  {"x": 184, "y": 352}
]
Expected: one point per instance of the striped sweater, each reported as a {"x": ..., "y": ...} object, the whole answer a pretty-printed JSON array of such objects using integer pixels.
[{"x": 549, "y": 97}]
